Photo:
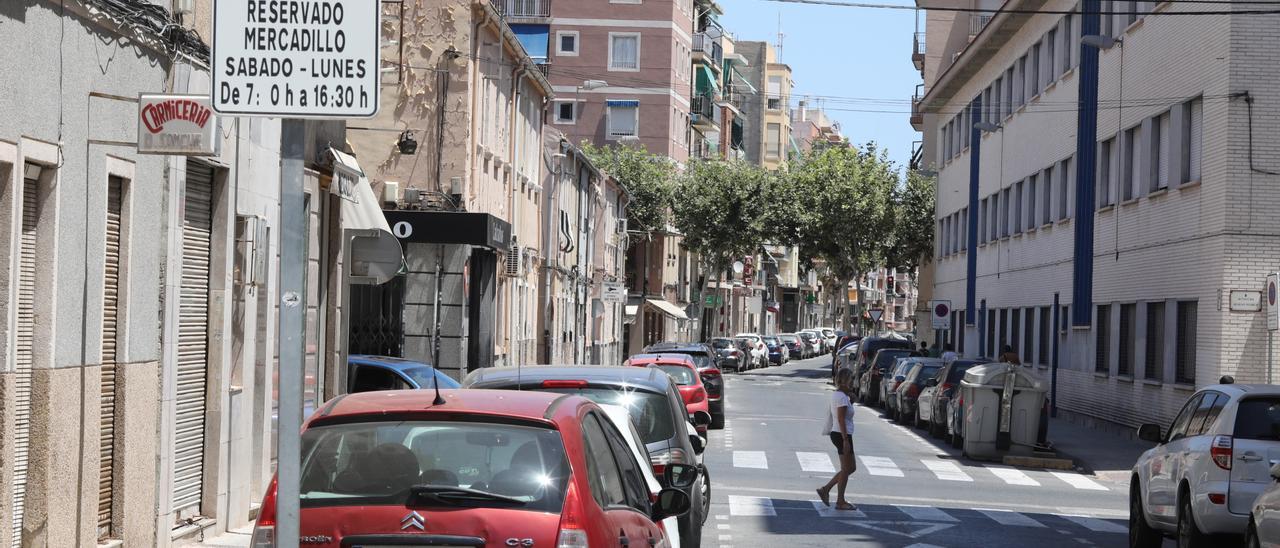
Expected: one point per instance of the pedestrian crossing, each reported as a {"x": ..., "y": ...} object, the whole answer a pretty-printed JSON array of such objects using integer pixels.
[{"x": 813, "y": 462}]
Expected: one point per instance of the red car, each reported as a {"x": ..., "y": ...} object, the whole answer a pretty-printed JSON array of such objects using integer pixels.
[
  {"x": 485, "y": 468},
  {"x": 684, "y": 370}
]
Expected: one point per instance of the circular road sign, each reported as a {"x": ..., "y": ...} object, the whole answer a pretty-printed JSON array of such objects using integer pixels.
[{"x": 941, "y": 310}]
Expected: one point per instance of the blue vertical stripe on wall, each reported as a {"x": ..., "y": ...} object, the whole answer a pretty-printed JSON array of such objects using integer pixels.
[
  {"x": 971, "y": 270},
  {"x": 1086, "y": 168}
]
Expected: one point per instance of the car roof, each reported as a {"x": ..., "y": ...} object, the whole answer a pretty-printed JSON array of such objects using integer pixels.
[
  {"x": 530, "y": 405},
  {"x": 385, "y": 361},
  {"x": 747, "y": 335},
  {"x": 1238, "y": 390},
  {"x": 679, "y": 347},
  {"x": 645, "y": 377},
  {"x": 664, "y": 359}
]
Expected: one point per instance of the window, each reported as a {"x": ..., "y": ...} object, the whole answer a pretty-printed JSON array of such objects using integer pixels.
[
  {"x": 1004, "y": 213},
  {"x": 1178, "y": 429},
  {"x": 1015, "y": 326},
  {"x": 773, "y": 141},
  {"x": 1033, "y": 71},
  {"x": 1045, "y": 324},
  {"x": 624, "y": 118},
  {"x": 1185, "y": 359},
  {"x": 1017, "y": 208},
  {"x": 1200, "y": 418},
  {"x": 993, "y": 222},
  {"x": 1155, "y": 342},
  {"x": 567, "y": 43},
  {"x": 987, "y": 106},
  {"x": 1258, "y": 419},
  {"x": 1046, "y": 205},
  {"x": 991, "y": 333},
  {"x": 633, "y": 480},
  {"x": 1032, "y": 208},
  {"x": 1052, "y": 64},
  {"x": 624, "y": 51},
  {"x": 1128, "y": 336},
  {"x": 1129, "y": 162},
  {"x": 602, "y": 470},
  {"x": 1191, "y": 139},
  {"x": 566, "y": 112},
  {"x": 1004, "y": 329},
  {"x": 1028, "y": 335},
  {"x": 1006, "y": 107},
  {"x": 1065, "y": 45},
  {"x": 1075, "y": 36},
  {"x": 1105, "y": 154},
  {"x": 1107, "y": 18},
  {"x": 1160, "y": 162},
  {"x": 369, "y": 378},
  {"x": 774, "y": 91},
  {"x": 1064, "y": 196},
  {"x": 1102, "y": 339},
  {"x": 982, "y": 221},
  {"x": 1020, "y": 81}
]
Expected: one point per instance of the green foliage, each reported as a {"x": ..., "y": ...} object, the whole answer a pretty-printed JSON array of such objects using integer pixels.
[
  {"x": 912, "y": 243},
  {"x": 718, "y": 208},
  {"x": 648, "y": 177},
  {"x": 848, "y": 192}
]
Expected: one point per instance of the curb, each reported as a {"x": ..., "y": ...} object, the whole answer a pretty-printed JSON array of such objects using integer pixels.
[{"x": 1052, "y": 463}]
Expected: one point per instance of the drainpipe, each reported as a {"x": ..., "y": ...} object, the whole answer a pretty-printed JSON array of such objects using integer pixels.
[{"x": 517, "y": 75}]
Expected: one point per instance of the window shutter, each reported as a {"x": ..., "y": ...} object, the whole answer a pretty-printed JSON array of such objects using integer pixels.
[
  {"x": 110, "y": 329},
  {"x": 1195, "y": 147},
  {"x": 1162, "y": 152},
  {"x": 24, "y": 351},
  {"x": 193, "y": 325}
]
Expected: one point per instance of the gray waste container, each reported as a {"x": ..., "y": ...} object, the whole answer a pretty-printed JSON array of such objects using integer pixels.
[{"x": 981, "y": 389}]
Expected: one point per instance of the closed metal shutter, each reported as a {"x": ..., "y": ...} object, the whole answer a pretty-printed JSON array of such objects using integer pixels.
[
  {"x": 110, "y": 323},
  {"x": 24, "y": 354},
  {"x": 193, "y": 325}
]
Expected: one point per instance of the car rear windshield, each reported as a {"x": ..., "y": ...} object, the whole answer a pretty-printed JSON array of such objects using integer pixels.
[
  {"x": 426, "y": 377},
  {"x": 721, "y": 343},
  {"x": 927, "y": 372},
  {"x": 1258, "y": 419},
  {"x": 487, "y": 464},
  {"x": 700, "y": 359},
  {"x": 683, "y": 375},
  {"x": 886, "y": 357},
  {"x": 650, "y": 412},
  {"x": 771, "y": 340},
  {"x": 957, "y": 372},
  {"x": 789, "y": 338}
]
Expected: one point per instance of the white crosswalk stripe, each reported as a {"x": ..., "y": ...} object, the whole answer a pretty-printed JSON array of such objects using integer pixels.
[
  {"x": 946, "y": 470},
  {"x": 1005, "y": 517},
  {"x": 740, "y": 505},
  {"x": 830, "y": 511},
  {"x": 750, "y": 459},
  {"x": 1012, "y": 476},
  {"x": 1097, "y": 525},
  {"x": 1078, "y": 481},
  {"x": 815, "y": 462},
  {"x": 880, "y": 466},
  {"x": 926, "y": 513}
]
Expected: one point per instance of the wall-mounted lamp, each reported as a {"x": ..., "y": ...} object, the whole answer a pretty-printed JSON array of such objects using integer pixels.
[
  {"x": 407, "y": 144},
  {"x": 987, "y": 127}
]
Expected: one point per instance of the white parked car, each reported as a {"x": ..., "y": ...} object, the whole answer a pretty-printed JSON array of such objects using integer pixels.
[
  {"x": 759, "y": 352},
  {"x": 822, "y": 345},
  {"x": 1264, "y": 520},
  {"x": 622, "y": 420},
  {"x": 829, "y": 337},
  {"x": 1205, "y": 473}
]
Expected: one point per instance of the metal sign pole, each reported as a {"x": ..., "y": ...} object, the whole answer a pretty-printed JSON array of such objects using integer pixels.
[{"x": 293, "y": 280}]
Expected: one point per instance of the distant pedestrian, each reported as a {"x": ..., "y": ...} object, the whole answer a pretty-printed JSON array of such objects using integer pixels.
[
  {"x": 1007, "y": 355},
  {"x": 935, "y": 351},
  {"x": 840, "y": 429},
  {"x": 949, "y": 355},
  {"x": 924, "y": 347}
]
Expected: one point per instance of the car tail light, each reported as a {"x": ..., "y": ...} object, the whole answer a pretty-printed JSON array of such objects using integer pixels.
[
  {"x": 913, "y": 391},
  {"x": 661, "y": 459},
  {"x": 564, "y": 384},
  {"x": 1217, "y": 498},
  {"x": 572, "y": 522},
  {"x": 710, "y": 374},
  {"x": 946, "y": 386},
  {"x": 1220, "y": 449},
  {"x": 264, "y": 531},
  {"x": 698, "y": 395}
]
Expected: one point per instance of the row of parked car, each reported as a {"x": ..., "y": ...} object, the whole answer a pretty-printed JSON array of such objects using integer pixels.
[
  {"x": 747, "y": 351},
  {"x": 566, "y": 456}
]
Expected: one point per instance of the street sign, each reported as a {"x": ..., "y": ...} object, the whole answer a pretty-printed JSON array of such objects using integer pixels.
[
  {"x": 876, "y": 314},
  {"x": 712, "y": 300},
  {"x": 613, "y": 292},
  {"x": 1245, "y": 301},
  {"x": 1273, "y": 311},
  {"x": 296, "y": 58},
  {"x": 808, "y": 298},
  {"x": 941, "y": 314},
  {"x": 176, "y": 124}
]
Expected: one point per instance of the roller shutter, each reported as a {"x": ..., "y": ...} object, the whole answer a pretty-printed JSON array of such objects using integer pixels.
[
  {"x": 193, "y": 325},
  {"x": 24, "y": 351},
  {"x": 110, "y": 323}
]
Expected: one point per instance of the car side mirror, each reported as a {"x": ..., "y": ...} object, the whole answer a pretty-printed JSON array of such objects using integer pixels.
[
  {"x": 701, "y": 418},
  {"x": 670, "y": 503},
  {"x": 1150, "y": 432},
  {"x": 899, "y": 378},
  {"x": 680, "y": 476},
  {"x": 931, "y": 382},
  {"x": 1275, "y": 471},
  {"x": 699, "y": 444}
]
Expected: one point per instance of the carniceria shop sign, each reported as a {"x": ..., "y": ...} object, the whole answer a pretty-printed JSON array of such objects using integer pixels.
[
  {"x": 176, "y": 124},
  {"x": 296, "y": 58}
]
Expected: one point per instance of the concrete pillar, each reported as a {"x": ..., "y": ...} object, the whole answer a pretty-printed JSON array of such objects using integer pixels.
[
  {"x": 62, "y": 483},
  {"x": 137, "y": 444}
]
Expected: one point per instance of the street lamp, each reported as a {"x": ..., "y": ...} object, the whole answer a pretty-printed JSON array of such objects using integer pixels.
[
  {"x": 587, "y": 85},
  {"x": 1101, "y": 41},
  {"x": 1104, "y": 42}
]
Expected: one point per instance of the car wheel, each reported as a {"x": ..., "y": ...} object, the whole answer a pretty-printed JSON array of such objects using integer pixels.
[
  {"x": 706, "y": 494},
  {"x": 717, "y": 422},
  {"x": 1141, "y": 535},
  {"x": 690, "y": 532},
  {"x": 1250, "y": 536},
  {"x": 1189, "y": 535}
]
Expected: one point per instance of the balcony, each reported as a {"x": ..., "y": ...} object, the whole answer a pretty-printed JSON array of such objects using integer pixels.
[
  {"x": 703, "y": 111},
  {"x": 544, "y": 66},
  {"x": 707, "y": 49},
  {"x": 977, "y": 22},
  {"x": 523, "y": 9},
  {"x": 917, "y": 52},
  {"x": 705, "y": 149},
  {"x": 917, "y": 108}
]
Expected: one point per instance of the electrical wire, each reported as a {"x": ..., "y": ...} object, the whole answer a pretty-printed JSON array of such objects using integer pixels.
[{"x": 152, "y": 19}]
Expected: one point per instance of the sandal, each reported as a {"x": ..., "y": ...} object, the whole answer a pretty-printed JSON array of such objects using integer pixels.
[
  {"x": 845, "y": 506},
  {"x": 825, "y": 495}
]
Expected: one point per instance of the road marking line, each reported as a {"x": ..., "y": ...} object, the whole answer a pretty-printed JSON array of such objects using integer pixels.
[
  {"x": 1011, "y": 476},
  {"x": 1096, "y": 525},
  {"x": 1005, "y": 517},
  {"x": 925, "y": 513},
  {"x": 880, "y": 466},
  {"x": 722, "y": 526},
  {"x": 830, "y": 511},
  {"x": 1099, "y": 512},
  {"x": 946, "y": 470},
  {"x": 750, "y": 459},
  {"x": 726, "y": 537},
  {"x": 721, "y": 516},
  {"x": 815, "y": 462},
  {"x": 1078, "y": 481},
  {"x": 740, "y": 505}
]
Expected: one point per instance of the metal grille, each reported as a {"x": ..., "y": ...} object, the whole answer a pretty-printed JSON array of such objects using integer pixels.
[
  {"x": 991, "y": 333},
  {"x": 1028, "y": 335},
  {"x": 193, "y": 325},
  {"x": 1186, "y": 357},
  {"x": 1102, "y": 339},
  {"x": 1155, "y": 341},
  {"x": 377, "y": 324},
  {"x": 110, "y": 323},
  {"x": 24, "y": 352},
  {"x": 1015, "y": 328},
  {"x": 1128, "y": 326}
]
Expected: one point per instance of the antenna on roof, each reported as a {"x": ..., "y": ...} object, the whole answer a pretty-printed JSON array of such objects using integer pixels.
[
  {"x": 780, "y": 36},
  {"x": 436, "y": 381}
]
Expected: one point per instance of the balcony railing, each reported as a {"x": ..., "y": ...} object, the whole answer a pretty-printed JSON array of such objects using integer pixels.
[
  {"x": 710, "y": 46},
  {"x": 917, "y": 52},
  {"x": 523, "y": 8},
  {"x": 917, "y": 110},
  {"x": 977, "y": 22},
  {"x": 703, "y": 107}
]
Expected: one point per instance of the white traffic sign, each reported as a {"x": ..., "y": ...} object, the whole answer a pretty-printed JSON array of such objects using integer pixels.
[
  {"x": 296, "y": 58},
  {"x": 876, "y": 314},
  {"x": 1273, "y": 311},
  {"x": 941, "y": 314},
  {"x": 613, "y": 292}
]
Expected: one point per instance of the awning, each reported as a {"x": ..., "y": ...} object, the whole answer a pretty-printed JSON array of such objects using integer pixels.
[
  {"x": 668, "y": 308},
  {"x": 534, "y": 40},
  {"x": 450, "y": 227},
  {"x": 707, "y": 81},
  {"x": 622, "y": 103},
  {"x": 744, "y": 81},
  {"x": 373, "y": 253}
]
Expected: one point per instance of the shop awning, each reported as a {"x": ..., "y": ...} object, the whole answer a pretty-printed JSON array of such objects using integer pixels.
[
  {"x": 668, "y": 308},
  {"x": 534, "y": 40},
  {"x": 374, "y": 255},
  {"x": 707, "y": 81},
  {"x": 450, "y": 227}
]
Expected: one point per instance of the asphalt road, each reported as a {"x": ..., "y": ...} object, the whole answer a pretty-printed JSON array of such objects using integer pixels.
[{"x": 910, "y": 490}]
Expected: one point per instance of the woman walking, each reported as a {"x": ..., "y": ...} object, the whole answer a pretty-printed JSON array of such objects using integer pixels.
[{"x": 840, "y": 419}]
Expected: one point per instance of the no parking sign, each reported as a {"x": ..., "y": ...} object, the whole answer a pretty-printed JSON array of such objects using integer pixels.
[
  {"x": 1273, "y": 311},
  {"x": 941, "y": 314}
]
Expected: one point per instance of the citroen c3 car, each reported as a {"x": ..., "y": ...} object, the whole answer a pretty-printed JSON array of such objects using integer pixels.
[{"x": 483, "y": 468}]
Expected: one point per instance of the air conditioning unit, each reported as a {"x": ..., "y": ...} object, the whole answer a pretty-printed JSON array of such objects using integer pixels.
[
  {"x": 513, "y": 259},
  {"x": 622, "y": 226}
]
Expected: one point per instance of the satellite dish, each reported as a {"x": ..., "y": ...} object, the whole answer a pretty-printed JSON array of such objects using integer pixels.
[{"x": 737, "y": 267}]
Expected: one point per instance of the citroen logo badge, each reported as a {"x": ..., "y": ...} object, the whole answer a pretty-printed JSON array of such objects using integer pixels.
[{"x": 413, "y": 521}]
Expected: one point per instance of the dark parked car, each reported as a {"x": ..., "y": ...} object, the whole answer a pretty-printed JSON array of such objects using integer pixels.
[
  {"x": 867, "y": 348},
  {"x": 706, "y": 358},
  {"x": 876, "y": 370},
  {"x": 369, "y": 373},
  {"x": 657, "y": 410},
  {"x": 729, "y": 354},
  {"x": 795, "y": 346},
  {"x": 909, "y": 390},
  {"x": 778, "y": 353},
  {"x": 947, "y": 384}
]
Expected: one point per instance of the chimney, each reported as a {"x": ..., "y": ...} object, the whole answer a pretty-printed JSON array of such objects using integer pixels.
[{"x": 804, "y": 113}]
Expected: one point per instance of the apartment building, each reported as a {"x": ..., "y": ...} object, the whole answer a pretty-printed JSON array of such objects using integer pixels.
[
  {"x": 768, "y": 128},
  {"x": 811, "y": 127},
  {"x": 1138, "y": 214}
]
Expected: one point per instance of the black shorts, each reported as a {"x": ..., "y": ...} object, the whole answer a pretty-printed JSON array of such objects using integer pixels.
[{"x": 838, "y": 441}]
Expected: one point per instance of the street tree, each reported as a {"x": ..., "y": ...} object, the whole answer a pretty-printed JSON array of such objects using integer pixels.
[
  {"x": 913, "y": 204},
  {"x": 649, "y": 178}
]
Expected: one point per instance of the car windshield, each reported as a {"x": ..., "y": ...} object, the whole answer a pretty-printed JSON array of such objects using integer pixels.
[
  {"x": 927, "y": 372},
  {"x": 650, "y": 412},
  {"x": 426, "y": 377},
  {"x": 1258, "y": 419},
  {"x": 700, "y": 359},
  {"x": 682, "y": 375},
  {"x": 485, "y": 464},
  {"x": 957, "y": 372}
]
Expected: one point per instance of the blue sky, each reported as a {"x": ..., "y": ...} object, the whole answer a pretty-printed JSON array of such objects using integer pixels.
[{"x": 842, "y": 53}]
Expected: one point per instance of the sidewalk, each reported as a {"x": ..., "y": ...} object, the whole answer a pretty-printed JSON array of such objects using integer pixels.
[
  {"x": 236, "y": 538},
  {"x": 1106, "y": 454}
]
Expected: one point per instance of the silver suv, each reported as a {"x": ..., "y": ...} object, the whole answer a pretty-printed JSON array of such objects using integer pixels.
[{"x": 1205, "y": 472}]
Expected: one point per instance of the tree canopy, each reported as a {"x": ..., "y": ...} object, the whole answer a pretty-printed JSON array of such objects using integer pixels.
[{"x": 648, "y": 177}]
